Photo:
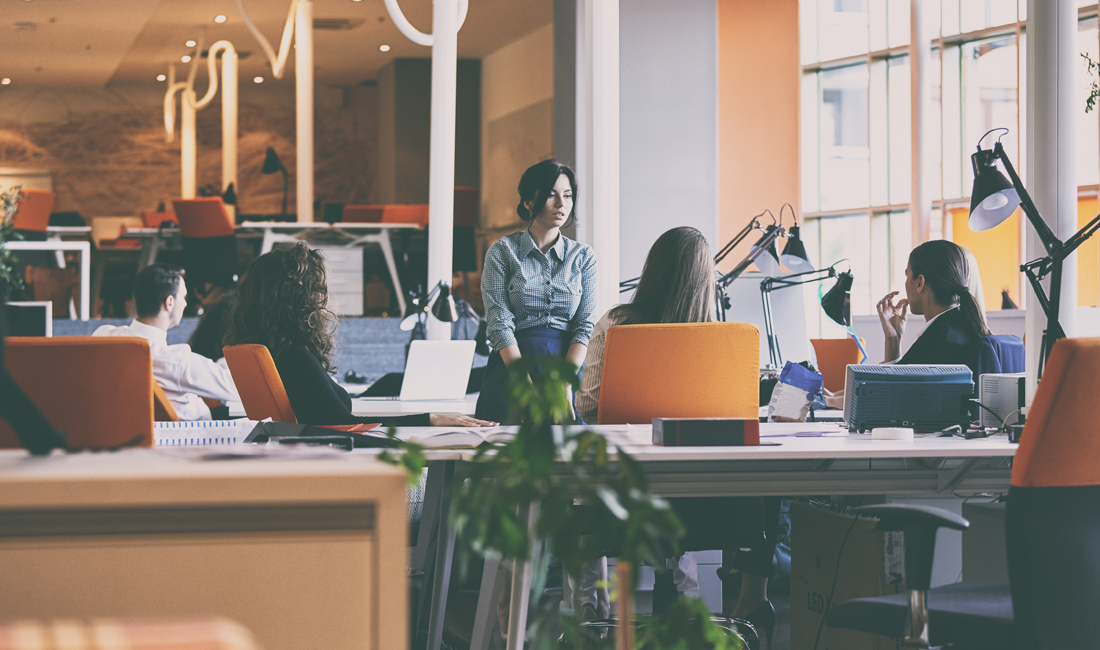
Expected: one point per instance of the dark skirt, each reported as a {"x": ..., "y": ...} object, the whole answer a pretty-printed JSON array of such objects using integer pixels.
[{"x": 533, "y": 342}]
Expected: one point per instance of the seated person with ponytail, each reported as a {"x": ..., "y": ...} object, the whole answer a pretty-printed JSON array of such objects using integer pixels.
[{"x": 937, "y": 286}]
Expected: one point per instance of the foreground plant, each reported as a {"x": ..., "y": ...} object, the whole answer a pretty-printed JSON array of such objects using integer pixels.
[{"x": 9, "y": 203}]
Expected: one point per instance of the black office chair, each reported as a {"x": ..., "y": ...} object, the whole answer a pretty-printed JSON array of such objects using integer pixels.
[{"x": 1052, "y": 522}]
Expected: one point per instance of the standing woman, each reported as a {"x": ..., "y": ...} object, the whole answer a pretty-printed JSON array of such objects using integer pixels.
[{"x": 538, "y": 285}]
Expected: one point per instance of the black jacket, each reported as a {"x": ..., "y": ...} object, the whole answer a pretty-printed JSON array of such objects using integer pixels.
[
  {"x": 948, "y": 340},
  {"x": 317, "y": 399}
]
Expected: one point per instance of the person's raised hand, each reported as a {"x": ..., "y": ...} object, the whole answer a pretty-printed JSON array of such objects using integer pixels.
[
  {"x": 892, "y": 316},
  {"x": 457, "y": 420}
]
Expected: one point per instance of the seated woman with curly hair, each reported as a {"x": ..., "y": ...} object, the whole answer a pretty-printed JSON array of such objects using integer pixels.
[{"x": 282, "y": 303}]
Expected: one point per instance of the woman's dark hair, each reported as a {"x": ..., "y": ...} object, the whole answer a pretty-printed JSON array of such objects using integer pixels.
[
  {"x": 153, "y": 285},
  {"x": 537, "y": 183},
  {"x": 210, "y": 332},
  {"x": 677, "y": 283},
  {"x": 282, "y": 302},
  {"x": 947, "y": 273}
]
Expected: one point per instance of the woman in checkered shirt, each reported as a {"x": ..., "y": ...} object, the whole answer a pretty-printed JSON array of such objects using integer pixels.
[{"x": 538, "y": 285}]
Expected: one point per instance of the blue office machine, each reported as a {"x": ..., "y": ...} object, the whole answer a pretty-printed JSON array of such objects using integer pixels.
[{"x": 925, "y": 398}]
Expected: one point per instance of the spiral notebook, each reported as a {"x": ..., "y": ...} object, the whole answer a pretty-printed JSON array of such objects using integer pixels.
[{"x": 201, "y": 432}]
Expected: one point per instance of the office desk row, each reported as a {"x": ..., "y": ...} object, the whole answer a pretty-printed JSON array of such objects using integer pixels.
[{"x": 386, "y": 407}]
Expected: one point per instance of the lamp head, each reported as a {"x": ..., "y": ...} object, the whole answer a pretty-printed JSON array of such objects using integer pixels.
[
  {"x": 444, "y": 307},
  {"x": 993, "y": 198},
  {"x": 794, "y": 253},
  {"x": 272, "y": 164},
  {"x": 768, "y": 261},
  {"x": 837, "y": 303}
]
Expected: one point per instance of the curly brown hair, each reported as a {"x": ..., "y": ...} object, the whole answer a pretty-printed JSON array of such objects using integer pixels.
[{"x": 282, "y": 302}]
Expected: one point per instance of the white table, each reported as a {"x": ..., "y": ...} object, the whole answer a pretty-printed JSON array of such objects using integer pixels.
[
  {"x": 378, "y": 233},
  {"x": 391, "y": 407},
  {"x": 85, "y": 250},
  {"x": 153, "y": 240},
  {"x": 832, "y": 463}
]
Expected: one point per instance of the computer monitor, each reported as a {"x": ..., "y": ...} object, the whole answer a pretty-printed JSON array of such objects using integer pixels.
[
  {"x": 926, "y": 398},
  {"x": 30, "y": 318}
]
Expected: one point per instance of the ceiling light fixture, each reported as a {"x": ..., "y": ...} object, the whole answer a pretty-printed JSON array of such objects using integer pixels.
[
  {"x": 186, "y": 58},
  {"x": 258, "y": 80},
  {"x": 384, "y": 48},
  {"x": 5, "y": 81},
  {"x": 219, "y": 18},
  {"x": 161, "y": 77},
  {"x": 190, "y": 43}
]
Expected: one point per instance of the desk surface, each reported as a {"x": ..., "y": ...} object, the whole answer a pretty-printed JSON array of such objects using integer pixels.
[{"x": 387, "y": 407}]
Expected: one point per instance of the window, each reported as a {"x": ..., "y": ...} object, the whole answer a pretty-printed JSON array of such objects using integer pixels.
[{"x": 857, "y": 148}]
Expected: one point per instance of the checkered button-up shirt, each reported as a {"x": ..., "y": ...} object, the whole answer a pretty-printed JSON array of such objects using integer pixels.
[{"x": 524, "y": 287}]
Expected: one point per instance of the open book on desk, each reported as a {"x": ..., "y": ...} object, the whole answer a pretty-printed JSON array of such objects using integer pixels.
[{"x": 466, "y": 438}]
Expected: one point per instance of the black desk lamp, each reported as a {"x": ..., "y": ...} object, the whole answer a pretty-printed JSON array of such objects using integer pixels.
[
  {"x": 272, "y": 164},
  {"x": 993, "y": 199},
  {"x": 836, "y": 303}
]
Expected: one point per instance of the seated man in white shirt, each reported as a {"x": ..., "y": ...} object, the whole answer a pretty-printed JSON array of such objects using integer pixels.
[{"x": 160, "y": 295}]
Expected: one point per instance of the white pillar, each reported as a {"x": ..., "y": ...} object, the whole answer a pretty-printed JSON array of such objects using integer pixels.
[
  {"x": 229, "y": 119},
  {"x": 441, "y": 169},
  {"x": 303, "y": 83},
  {"x": 1051, "y": 171},
  {"x": 920, "y": 48},
  {"x": 187, "y": 144},
  {"x": 598, "y": 141}
]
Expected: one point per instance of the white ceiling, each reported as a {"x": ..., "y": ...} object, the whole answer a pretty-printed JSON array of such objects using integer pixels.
[{"x": 101, "y": 42}]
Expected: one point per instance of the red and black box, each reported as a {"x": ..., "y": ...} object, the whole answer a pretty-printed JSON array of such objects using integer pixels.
[{"x": 706, "y": 432}]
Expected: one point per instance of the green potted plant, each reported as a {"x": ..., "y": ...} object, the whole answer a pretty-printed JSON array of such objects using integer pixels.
[
  {"x": 538, "y": 469},
  {"x": 9, "y": 203}
]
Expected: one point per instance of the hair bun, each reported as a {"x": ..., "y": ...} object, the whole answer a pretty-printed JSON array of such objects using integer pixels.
[{"x": 523, "y": 212}]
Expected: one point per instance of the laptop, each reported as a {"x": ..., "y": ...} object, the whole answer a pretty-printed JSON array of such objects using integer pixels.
[{"x": 436, "y": 370}]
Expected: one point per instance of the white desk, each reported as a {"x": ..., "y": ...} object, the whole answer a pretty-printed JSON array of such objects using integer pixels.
[
  {"x": 57, "y": 232},
  {"x": 378, "y": 233},
  {"x": 85, "y": 250},
  {"x": 392, "y": 407}
]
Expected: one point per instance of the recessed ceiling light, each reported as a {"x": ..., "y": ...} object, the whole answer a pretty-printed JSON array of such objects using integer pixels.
[
  {"x": 219, "y": 19},
  {"x": 161, "y": 77},
  {"x": 190, "y": 44},
  {"x": 258, "y": 80},
  {"x": 5, "y": 81},
  {"x": 186, "y": 58},
  {"x": 384, "y": 48}
]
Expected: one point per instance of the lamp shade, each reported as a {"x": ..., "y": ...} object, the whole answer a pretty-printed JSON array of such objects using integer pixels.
[
  {"x": 993, "y": 198},
  {"x": 272, "y": 164},
  {"x": 444, "y": 307},
  {"x": 767, "y": 261},
  {"x": 794, "y": 253},
  {"x": 837, "y": 303}
]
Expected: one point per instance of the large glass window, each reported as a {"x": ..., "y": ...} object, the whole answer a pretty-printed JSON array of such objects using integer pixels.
[{"x": 844, "y": 152}]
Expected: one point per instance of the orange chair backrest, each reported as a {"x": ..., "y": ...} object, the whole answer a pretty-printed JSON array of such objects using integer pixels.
[
  {"x": 833, "y": 357},
  {"x": 203, "y": 218},
  {"x": 34, "y": 210},
  {"x": 467, "y": 206},
  {"x": 362, "y": 213},
  {"x": 705, "y": 370},
  {"x": 1060, "y": 444},
  {"x": 414, "y": 213},
  {"x": 163, "y": 411},
  {"x": 258, "y": 383},
  {"x": 154, "y": 219},
  {"x": 97, "y": 389}
]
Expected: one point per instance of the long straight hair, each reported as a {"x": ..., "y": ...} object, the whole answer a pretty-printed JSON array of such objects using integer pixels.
[
  {"x": 677, "y": 283},
  {"x": 946, "y": 271}
]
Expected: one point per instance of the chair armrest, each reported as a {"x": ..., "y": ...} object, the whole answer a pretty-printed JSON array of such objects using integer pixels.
[{"x": 919, "y": 524}]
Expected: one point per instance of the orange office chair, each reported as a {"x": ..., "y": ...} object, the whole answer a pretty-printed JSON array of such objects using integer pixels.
[
  {"x": 258, "y": 382},
  {"x": 67, "y": 378},
  {"x": 33, "y": 214},
  {"x": 706, "y": 370},
  {"x": 1052, "y": 518},
  {"x": 414, "y": 213},
  {"x": 363, "y": 213},
  {"x": 155, "y": 219},
  {"x": 833, "y": 357},
  {"x": 209, "y": 245},
  {"x": 163, "y": 411}
]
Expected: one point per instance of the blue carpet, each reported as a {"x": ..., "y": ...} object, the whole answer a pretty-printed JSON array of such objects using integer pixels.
[{"x": 370, "y": 346}]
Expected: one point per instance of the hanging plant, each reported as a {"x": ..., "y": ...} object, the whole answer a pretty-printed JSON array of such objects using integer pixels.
[
  {"x": 9, "y": 203},
  {"x": 1094, "y": 89}
]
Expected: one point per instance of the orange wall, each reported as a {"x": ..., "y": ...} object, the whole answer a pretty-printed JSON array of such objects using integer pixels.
[
  {"x": 998, "y": 253},
  {"x": 1088, "y": 256},
  {"x": 758, "y": 83}
]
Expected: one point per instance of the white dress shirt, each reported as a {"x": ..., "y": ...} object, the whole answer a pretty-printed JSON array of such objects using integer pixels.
[{"x": 186, "y": 377}]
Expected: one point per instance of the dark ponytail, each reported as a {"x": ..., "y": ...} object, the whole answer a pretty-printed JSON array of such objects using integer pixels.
[{"x": 946, "y": 271}]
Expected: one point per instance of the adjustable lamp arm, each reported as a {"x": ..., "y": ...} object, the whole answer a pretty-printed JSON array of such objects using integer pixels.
[
  {"x": 768, "y": 285},
  {"x": 756, "y": 251},
  {"x": 1050, "y": 241}
]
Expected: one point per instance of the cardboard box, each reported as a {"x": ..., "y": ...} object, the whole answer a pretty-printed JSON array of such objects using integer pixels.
[{"x": 871, "y": 565}]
